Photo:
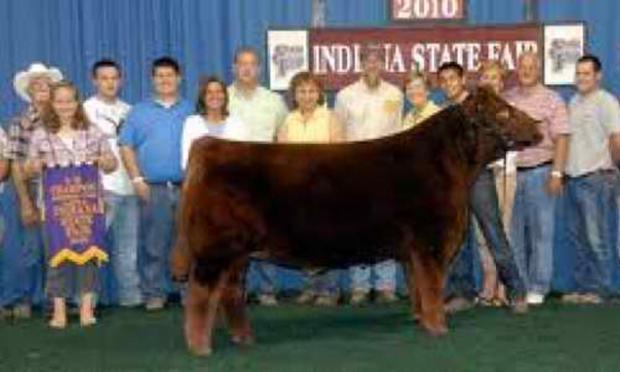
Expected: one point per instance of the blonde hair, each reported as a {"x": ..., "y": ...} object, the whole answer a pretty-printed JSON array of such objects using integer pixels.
[
  {"x": 51, "y": 121},
  {"x": 417, "y": 75},
  {"x": 493, "y": 64}
]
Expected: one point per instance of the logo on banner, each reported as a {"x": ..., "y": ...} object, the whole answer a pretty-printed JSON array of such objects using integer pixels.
[
  {"x": 287, "y": 55},
  {"x": 74, "y": 214}
]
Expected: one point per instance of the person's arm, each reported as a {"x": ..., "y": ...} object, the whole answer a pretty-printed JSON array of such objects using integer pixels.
[
  {"x": 4, "y": 169},
  {"x": 614, "y": 148},
  {"x": 4, "y": 163},
  {"x": 340, "y": 110},
  {"x": 399, "y": 113},
  {"x": 282, "y": 135},
  {"x": 336, "y": 129},
  {"x": 559, "y": 123},
  {"x": 186, "y": 142},
  {"x": 559, "y": 164},
  {"x": 104, "y": 157},
  {"x": 281, "y": 116},
  {"x": 611, "y": 123},
  {"x": 21, "y": 171},
  {"x": 128, "y": 156},
  {"x": 107, "y": 162}
]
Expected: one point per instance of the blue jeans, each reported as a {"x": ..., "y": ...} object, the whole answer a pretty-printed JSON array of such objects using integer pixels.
[
  {"x": 157, "y": 234},
  {"x": 323, "y": 284},
  {"x": 122, "y": 217},
  {"x": 590, "y": 221},
  {"x": 461, "y": 280},
  {"x": 485, "y": 208},
  {"x": 264, "y": 275},
  {"x": 532, "y": 228},
  {"x": 22, "y": 255},
  {"x": 385, "y": 276}
]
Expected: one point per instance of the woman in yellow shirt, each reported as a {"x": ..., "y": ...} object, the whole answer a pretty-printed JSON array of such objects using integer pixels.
[
  {"x": 417, "y": 90},
  {"x": 312, "y": 122}
]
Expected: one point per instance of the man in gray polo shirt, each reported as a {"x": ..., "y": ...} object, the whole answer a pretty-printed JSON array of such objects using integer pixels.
[{"x": 592, "y": 181}]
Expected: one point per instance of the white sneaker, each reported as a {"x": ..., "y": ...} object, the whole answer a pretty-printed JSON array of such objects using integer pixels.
[
  {"x": 267, "y": 299},
  {"x": 535, "y": 298}
]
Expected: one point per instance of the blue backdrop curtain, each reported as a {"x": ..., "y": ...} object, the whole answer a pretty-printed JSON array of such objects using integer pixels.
[{"x": 203, "y": 35}]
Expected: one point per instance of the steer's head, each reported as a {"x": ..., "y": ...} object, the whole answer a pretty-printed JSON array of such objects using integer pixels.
[{"x": 496, "y": 126}]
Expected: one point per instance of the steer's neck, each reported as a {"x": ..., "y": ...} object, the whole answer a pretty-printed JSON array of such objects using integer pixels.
[{"x": 452, "y": 141}]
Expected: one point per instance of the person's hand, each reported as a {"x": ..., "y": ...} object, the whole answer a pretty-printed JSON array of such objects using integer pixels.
[
  {"x": 29, "y": 213},
  {"x": 33, "y": 168},
  {"x": 554, "y": 185},
  {"x": 107, "y": 162},
  {"x": 142, "y": 190}
]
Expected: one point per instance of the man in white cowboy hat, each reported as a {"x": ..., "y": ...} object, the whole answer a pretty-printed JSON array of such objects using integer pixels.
[{"x": 22, "y": 253}]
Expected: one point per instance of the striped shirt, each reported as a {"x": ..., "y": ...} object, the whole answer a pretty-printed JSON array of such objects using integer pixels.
[{"x": 547, "y": 106}]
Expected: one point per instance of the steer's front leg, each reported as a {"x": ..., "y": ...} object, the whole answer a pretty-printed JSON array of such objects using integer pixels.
[
  {"x": 200, "y": 312},
  {"x": 429, "y": 279}
]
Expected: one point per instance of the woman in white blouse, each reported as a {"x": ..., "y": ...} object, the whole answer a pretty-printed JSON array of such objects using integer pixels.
[{"x": 212, "y": 118}]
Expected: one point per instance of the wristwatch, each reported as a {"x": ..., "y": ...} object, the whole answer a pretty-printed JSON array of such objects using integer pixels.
[{"x": 557, "y": 174}]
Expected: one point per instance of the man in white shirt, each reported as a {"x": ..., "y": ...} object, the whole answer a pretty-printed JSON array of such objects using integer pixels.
[
  {"x": 107, "y": 112},
  {"x": 592, "y": 187},
  {"x": 263, "y": 112},
  {"x": 371, "y": 108}
]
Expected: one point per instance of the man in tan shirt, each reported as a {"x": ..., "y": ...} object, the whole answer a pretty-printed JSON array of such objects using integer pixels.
[{"x": 371, "y": 108}]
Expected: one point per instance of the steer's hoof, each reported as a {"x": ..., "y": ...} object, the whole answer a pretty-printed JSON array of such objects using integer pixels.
[
  {"x": 436, "y": 331},
  {"x": 242, "y": 340},
  {"x": 200, "y": 351}
]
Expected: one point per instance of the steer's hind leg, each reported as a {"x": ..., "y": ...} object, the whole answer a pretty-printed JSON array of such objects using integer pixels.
[
  {"x": 233, "y": 301},
  {"x": 429, "y": 279},
  {"x": 200, "y": 312},
  {"x": 414, "y": 292}
]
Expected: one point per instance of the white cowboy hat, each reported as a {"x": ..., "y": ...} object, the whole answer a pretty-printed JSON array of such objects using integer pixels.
[{"x": 23, "y": 78}]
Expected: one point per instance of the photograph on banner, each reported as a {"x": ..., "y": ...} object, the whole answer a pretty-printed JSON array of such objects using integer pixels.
[
  {"x": 564, "y": 44},
  {"x": 427, "y": 10},
  {"x": 287, "y": 54}
]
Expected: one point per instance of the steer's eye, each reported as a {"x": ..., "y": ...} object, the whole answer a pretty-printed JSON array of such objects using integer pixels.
[{"x": 504, "y": 115}]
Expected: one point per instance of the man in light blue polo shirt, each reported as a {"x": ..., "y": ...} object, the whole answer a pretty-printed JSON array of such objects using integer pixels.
[
  {"x": 592, "y": 181},
  {"x": 151, "y": 150}
]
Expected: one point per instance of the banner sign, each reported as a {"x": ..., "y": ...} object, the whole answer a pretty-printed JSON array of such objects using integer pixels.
[
  {"x": 74, "y": 214},
  {"x": 334, "y": 53},
  {"x": 427, "y": 10}
]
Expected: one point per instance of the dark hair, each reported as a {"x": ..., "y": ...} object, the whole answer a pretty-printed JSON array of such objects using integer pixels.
[
  {"x": 105, "y": 63},
  {"x": 51, "y": 121},
  {"x": 247, "y": 50},
  {"x": 371, "y": 48},
  {"x": 454, "y": 66},
  {"x": 303, "y": 78},
  {"x": 596, "y": 62},
  {"x": 166, "y": 62},
  {"x": 201, "y": 106}
]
